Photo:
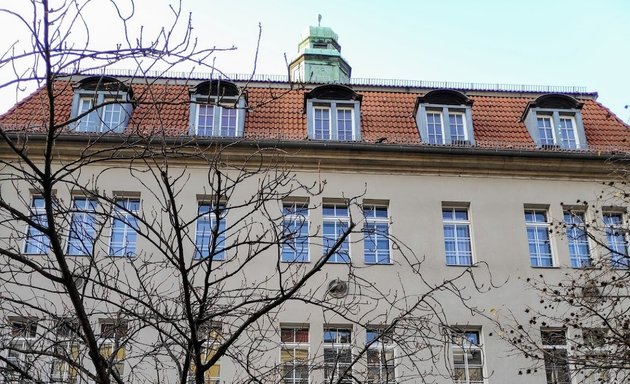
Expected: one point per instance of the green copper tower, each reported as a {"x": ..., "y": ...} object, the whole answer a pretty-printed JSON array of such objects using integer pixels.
[{"x": 319, "y": 59}]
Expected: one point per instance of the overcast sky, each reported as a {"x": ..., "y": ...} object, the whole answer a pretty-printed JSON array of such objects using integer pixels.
[{"x": 575, "y": 43}]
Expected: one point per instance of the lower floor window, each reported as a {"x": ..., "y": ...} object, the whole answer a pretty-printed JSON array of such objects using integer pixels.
[{"x": 467, "y": 357}]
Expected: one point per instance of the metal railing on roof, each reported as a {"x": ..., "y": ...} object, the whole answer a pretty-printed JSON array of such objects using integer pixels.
[{"x": 531, "y": 88}]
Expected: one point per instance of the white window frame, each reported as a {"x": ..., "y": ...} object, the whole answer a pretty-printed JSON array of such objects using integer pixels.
[
  {"x": 445, "y": 111},
  {"x": 577, "y": 238},
  {"x": 69, "y": 346},
  {"x": 214, "y": 333},
  {"x": 35, "y": 241},
  {"x": 383, "y": 347},
  {"x": 462, "y": 345},
  {"x": 106, "y": 101},
  {"x": 295, "y": 227},
  {"x": 537, "y": 260},
  {"x": 82, "y": 227},
  {"x": 20, "y": 343},
  {"x": 220, "y": 106},
  {"x": 337, "y": 347},
  {"x": 333, "y": 106},
  {"x": 618, "y": 259},
  {"x": 549, "y": 141},
  {"x": 373, "y": 236},
  {"x": 121, "y": 212},
  {"x": 208, "y": 219},
  {"x": 555, "y": 117},
  {"x": 550, "y": 350},
  {"x": 341, "y": 224},
  {"x": 459, "y": 255},
  {"x": 291, "y": 347},
  {"x": 113, "y": 343}
]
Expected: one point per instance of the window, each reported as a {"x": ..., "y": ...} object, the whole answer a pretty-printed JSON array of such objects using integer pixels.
[
  {"x": 37, "y": 243},
  {"x": 616, "y": 239},
  {"x": 101, "y": 104},
  {"x": 294, "y": 355},
  {"x": 210, "y": 223},
  {"x": 376, "y": 235},
  {"x": 22, "y": 337},
  {"x": 538, "y": 238},
  {"x": 457, "y": 236},
  {"x": 555, "y": 120},
  {"x": 212, "y": 375},
  {"x": 112, "y": 345},
  {"x": 333, "y": 113},
  {"x": 295, "y": 232},
  {"x": 334, "y": 121},
  {"x": 124, "y": 227},
  {"x": 579, "y": 251},
  {"x": 215, "y": 120},
  {"x": 444, "y": 117},
  {"x": 336, "y": 220},
  {"x": 217, "y": 109},
  {"x": 82, "y": 226},
  {"x": 467, "y": 357},
  {"x": 67, "y": 353},
  {"x": 380, "y": 357},
  {"x": 338, "y": 355},
  {"x": 451, "y": 133},
  {"x": 554, "y": 342}
]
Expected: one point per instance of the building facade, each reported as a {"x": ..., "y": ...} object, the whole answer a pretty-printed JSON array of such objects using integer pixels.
[{"x": 410, "y": 215}]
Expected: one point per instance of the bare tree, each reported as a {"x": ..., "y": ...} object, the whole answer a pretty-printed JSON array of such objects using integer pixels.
[
  {"x": 580, "y": 328},
  {"x": 186, "y": 271}
]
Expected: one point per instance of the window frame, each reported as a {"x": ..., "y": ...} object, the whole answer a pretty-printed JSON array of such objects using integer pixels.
[
  {"x": 461, "y": 344},
  {"x": 333, "y": 106},
  {"x": 555, "y": 115},
  {"x": 85, "y": 214},
  {"x": 35, "y": 241},
  {"x": 220, "y": 105},
  {"x": 214, "y": 332},
  {"x": 23, "y": 333},
  {"x": 551, "y": 352},
  {"x": 616, "y": 256},
  {"x": 210, "y": 217},
  {"x": 338, "y": 346},
  {"x": 445, "y": 110},
  {"x": 296, "y": 239},
  {"x": 537, "y": 225},
  {"x": 460, "y": 260},
  {"x": 338, "y": 222},
  {"x": 577, "y": 238},
  {"x": 69, "y": 345},
  {"x": 102, "y": 99},
  {"x": 376, "y": 235},
  {"x": 292, "y": 347},
  {"x": 127, "y": 217},
  {"x": 382, "y": 344},
  {"x": 112, "y": 342}
]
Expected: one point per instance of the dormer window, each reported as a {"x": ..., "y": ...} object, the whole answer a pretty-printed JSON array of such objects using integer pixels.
[
  {"x": 333, "y": 113},
  {"x": 101, "y": 104},
  {"x": 217, "y": 109},
  {"x": 555, "y": 121},
  {"x": 444, "y": 117}
]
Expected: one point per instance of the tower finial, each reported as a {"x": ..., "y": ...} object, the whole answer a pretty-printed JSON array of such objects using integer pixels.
[{"x": 319, "y": 20}]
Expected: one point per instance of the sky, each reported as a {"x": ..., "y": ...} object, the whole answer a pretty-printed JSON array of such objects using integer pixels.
[{"x": 534, "y": 42}]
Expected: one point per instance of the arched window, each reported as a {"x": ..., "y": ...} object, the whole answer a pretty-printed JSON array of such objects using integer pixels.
[
  {"x": 217, "y": 109},
  {"x": 444, "y": 117},
  {"x": 101, "y": 104},
  {"x": 555, "y": 121},
  {"x": 333, "y": 113}
]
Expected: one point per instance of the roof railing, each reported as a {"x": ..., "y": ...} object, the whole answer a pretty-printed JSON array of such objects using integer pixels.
[{"x": 400, "y": 83}]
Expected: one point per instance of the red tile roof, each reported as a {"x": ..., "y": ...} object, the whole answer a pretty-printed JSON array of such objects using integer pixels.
[{"x": 278, "y": 113}]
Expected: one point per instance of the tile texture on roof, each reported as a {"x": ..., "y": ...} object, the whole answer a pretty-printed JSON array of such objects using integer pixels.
[{"x": 278, "y": 114}]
